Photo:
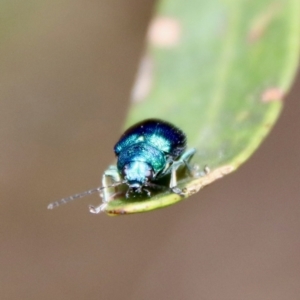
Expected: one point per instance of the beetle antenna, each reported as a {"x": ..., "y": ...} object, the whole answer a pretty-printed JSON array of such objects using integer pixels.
[{"x": 81, "y": 195}]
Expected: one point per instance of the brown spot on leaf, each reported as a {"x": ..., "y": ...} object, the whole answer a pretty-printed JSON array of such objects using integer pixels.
[
  {"x": 115, "y": 212},
  {"x": 164, "y": 32},
  {"x": 262, "y": 22},
  {"x": 272, "y": 94}
]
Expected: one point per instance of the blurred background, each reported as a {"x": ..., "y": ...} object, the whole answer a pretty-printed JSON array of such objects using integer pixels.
[{"x": 66, "y": 71}]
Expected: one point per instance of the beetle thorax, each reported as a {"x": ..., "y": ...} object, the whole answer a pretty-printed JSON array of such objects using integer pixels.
[{"x": 137, "y": 173}]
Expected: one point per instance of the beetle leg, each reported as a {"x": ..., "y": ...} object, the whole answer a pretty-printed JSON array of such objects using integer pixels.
[
  {"x": 147, "y": 191},
  {"x": 173, "y": 182},
  {"x": 97, "y": 209},
  {"x": 183, "y": 160},
  {"x": 187, "y": 155},
  {"x": 110, "y": 176},
  {"x": 127, "y": 195}
]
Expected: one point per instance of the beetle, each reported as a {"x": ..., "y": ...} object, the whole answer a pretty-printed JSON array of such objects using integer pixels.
[{"x": 146, "y": 152}]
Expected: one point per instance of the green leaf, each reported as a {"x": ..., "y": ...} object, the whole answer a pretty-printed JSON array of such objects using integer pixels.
[{"x": 219, "y": 70}]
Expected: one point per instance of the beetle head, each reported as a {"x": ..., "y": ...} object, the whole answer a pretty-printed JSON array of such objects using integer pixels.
[{"x": 137, "y": 174}]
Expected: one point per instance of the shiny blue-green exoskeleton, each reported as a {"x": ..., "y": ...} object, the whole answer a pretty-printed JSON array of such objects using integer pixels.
[{"x": 146, "y": 152}]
